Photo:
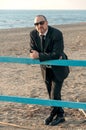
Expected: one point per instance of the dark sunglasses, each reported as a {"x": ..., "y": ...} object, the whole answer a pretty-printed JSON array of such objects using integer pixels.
[{"x": 41, "y": 23}]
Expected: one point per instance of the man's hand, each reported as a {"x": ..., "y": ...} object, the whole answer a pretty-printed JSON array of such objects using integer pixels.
[{"x": 34, "y": 54}]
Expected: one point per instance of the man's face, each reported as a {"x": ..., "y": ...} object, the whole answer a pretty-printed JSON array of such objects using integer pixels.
[{"x": 41, "y": 24}]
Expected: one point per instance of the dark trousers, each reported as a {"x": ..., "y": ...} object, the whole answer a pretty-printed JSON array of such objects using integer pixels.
[{"x": 54, "y": 90}]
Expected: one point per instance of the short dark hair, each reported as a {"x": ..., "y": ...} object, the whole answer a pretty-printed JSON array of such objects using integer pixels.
[{"x": 42, "y": 16}]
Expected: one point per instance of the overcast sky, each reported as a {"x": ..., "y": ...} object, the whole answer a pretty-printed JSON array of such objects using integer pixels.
[{"x": 43, "y": 4}]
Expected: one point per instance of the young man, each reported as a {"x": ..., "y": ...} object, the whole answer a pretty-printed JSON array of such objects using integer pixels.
[{"x": 46, "y": 43}]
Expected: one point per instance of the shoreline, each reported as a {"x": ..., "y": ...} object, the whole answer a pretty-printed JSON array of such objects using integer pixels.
[{"x": 58, "y": 25}]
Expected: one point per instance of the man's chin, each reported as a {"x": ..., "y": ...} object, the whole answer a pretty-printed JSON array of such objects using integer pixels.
[{"x": 41, "y": 31}]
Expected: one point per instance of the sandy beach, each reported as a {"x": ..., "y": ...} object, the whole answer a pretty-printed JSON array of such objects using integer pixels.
[{"x": 26, "y": 80}]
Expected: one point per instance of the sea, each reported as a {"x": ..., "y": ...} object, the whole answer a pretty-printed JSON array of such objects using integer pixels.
[{"x": 25, "y": 18}]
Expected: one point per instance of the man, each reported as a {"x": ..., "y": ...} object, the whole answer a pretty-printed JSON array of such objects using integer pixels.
[{"x": 46, "y": 43}]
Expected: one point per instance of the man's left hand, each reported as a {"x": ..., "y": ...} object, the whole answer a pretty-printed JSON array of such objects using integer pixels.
[{"x": 34, "y": 54}]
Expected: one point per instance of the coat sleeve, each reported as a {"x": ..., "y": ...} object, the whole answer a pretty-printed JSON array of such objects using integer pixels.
[{"x": 32, "y": 42}]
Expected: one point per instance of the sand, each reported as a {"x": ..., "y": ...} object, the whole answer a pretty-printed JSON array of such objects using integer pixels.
[{"x": 26, "y": 80}]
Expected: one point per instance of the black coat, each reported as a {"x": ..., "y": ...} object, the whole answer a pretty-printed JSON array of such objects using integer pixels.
[{"x": 54, "y": 49}]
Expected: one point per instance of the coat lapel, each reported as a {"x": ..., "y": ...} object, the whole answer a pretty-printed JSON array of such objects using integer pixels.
[
  {"x": 40, "y": 46},
  {"x": 47, "y": 39}
]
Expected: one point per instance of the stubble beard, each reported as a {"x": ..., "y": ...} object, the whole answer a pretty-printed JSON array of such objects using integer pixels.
[{"x": 41, "y": 30}]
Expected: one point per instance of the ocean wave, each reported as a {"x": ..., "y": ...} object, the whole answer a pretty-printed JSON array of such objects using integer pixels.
[{"x": 25, "y": 18}]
